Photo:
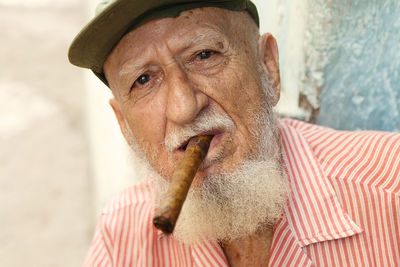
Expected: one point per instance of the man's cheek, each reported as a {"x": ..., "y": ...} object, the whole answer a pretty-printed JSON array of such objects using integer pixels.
[{"x": 162, "y": 162}]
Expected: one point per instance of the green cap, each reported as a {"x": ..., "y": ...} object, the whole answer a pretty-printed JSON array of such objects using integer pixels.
[{"x": 115, "y": 18}]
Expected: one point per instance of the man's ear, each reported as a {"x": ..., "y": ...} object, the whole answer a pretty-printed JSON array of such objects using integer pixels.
[
  {"x": 121, "y": 120},
  {"x": 269, "y": 56}
]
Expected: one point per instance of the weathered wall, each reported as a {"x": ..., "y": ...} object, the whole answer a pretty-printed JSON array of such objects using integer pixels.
[
  {"x": 360, "y": 63},
  {"x": 286, "y": 20},
  {"x": 339, "y": 61}
]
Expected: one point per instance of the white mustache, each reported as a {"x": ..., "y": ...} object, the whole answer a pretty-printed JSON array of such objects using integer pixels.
[{"x": 207, "y": 120}]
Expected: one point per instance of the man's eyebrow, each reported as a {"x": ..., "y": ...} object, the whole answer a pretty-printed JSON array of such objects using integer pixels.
[
  {"x": 128, "y": 68},
  {"x": 209, "y": 34}
]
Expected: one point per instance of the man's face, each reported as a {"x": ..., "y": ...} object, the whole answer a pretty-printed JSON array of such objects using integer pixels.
[{"x": 169, "y": 72}]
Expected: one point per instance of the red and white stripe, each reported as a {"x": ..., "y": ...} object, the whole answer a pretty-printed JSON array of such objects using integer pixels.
[{"x": 343, "y": 210}]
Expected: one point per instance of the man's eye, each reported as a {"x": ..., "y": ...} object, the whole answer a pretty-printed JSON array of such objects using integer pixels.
[
  {"x": 142, "y": 79},
  {"x": 205, "y": 54}
]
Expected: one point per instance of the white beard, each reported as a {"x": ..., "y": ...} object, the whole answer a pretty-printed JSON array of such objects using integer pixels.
[
  {"x": 232, "y": 205},
  {"x": 227, "y": 206}
]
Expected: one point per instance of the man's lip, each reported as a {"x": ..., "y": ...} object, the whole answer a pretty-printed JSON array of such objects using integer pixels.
[{"x": 214, "y": 133}]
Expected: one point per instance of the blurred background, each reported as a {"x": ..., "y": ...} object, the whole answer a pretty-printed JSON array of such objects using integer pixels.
[
  {"x": 62, "y": 156},
  {"x": 45, "y": 187}
]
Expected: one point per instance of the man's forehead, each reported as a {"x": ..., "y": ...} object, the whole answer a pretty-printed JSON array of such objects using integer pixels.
[
  {"x": 190, "y": 27},
  {"x": 137, "y": 48},
  {"x": 188, "y": 23}
]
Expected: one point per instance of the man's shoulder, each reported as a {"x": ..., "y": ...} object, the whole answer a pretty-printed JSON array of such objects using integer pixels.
[
  {"x": 129, "y": 213},
  {"x": 365, "y": 157},
  {"x": 326, "y": 141},
  {"x": 137, "y": 194},
  {"x": 124, "y": 224},
  {"x": 318, "y": 132}
]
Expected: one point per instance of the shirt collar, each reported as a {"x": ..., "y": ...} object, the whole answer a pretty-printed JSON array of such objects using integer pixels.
[{"x": 314, "y": 213}]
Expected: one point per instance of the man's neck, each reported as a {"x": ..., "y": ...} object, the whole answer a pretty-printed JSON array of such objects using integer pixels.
[{"x": 253, "y": 250}]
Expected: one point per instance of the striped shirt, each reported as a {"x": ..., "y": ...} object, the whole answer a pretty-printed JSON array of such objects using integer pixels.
[{"x": 343, "y": 209}]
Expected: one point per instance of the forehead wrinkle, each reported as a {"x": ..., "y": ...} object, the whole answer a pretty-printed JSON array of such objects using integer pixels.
[
  {"x": 203, "y": 32},
  {"x": 201, "y": 35},
  {"x": 195, "y": 33},
  {"x": 209, "y": 34}
]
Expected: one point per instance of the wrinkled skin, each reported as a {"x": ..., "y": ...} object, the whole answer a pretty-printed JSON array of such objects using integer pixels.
[
  {"x": 204, "y": 59},
  {"x": 167, "y": 71}
]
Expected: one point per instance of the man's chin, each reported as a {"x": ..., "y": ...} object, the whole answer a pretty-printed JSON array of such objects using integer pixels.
[
  {"x": 229, "y": 206},
  {"x": 214, "y": 167}
]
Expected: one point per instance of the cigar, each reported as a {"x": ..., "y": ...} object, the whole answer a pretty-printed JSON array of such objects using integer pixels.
[{"x": 171, "y": 203}]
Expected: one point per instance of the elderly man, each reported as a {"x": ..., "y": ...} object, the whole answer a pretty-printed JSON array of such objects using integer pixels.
[{"x": 269, "y": 192}]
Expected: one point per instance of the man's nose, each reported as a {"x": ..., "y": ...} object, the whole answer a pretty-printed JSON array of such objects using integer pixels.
[{"x": 184, "y": 100}]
